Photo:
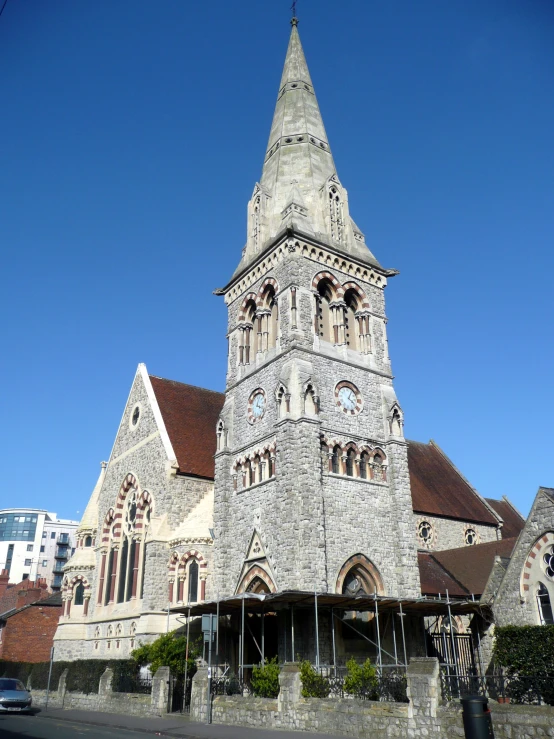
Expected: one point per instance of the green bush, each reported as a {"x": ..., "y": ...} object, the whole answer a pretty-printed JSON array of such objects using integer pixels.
[
  {"x": 168, "y": 650},
  {"x": 361, "y": 680},
  {"x": 314, "y": 685},
  {"x": 39, "y": 674},
  {"x": 525, "y": 650},
  {"x": 265, "y": 679},
  {"x": 16, "y": 670}
]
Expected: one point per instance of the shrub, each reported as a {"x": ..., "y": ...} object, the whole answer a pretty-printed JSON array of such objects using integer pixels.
[
  {"x": 361, "y": 680},
  {"x": 525, "y": 650},
  {"x": 314, "y": 685},
  {"x": 40, "y": 671},
  {"x": 265, "y": 679},
  {"x": 168, "y": 650}
]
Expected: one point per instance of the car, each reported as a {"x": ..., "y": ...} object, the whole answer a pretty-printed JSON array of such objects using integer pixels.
[{"x": 14, "y": 696}]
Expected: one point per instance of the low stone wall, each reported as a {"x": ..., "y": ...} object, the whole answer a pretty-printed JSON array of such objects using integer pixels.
[
  {"x": 106, "y": 700},
  {"x": 422, "y": 717}
]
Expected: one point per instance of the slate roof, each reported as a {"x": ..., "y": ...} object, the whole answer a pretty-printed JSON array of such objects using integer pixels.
[
  {"x": 471, "y": 566},
  {"x": 190, "y": 415},
  {"x": 439, "y": 489},
  {"x": 54, "y": 600},
  {"x": 513, "y": 521},
  {"x": 435, "y": 579}
]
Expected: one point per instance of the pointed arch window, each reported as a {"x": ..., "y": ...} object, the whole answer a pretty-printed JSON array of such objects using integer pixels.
[
  {"x": 364, "y": 465},
  {"x": 350, "y": 462},
  {"x": 335, "y": 460},
  {"x": 324, "y": 318},
  {"x": 88, "y": 541},
  {"x": 193, "y": 582},
  {"x": 378, "y": 467},
  {"x": 79, "y": 595},
  {"x": 351, "y": 322},
  {"x": 336, "y": 214},
  {"x": 545, "y": 605}
]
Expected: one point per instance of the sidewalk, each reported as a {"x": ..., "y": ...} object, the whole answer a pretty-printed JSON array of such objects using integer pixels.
[{"x": 175, "y": 725}]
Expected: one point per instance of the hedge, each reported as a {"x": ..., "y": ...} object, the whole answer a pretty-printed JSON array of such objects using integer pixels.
[
  {"x": 83, "y": 674},
  {"x": 525, "y": 650}
]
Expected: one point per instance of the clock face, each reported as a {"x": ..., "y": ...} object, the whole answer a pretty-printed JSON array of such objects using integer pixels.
[
  {"x": 256, "y": 405},
  {"x": 347, "y": 398}
]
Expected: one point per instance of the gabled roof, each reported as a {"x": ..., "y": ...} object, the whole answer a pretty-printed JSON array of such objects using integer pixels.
[
  {"x": 513, "y": 520},
  {"x": 436, "y": 580},
  {"x": 53, "y": 601},
  {"x": 190, "y": 416},
  {"x": 439, "y": 489},
  {"x": 472, "y": 565}
]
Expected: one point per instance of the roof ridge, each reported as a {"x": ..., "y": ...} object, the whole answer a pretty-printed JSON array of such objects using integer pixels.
[
  {"x": 474, "y": 490},
  {"x": 186, "y": 384}
]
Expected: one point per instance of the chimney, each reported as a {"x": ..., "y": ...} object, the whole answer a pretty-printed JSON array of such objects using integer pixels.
[
  {"x": 27, "y": 592},
  {"x": 4, "y": 580}
]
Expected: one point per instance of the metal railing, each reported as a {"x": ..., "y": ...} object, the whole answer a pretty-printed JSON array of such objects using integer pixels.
[
  {"x": 230, "y": 686},
  {"x": 128, "y": 683},
  {"x": 387, "y": 685},
  {"x": 519, "y": 689}
]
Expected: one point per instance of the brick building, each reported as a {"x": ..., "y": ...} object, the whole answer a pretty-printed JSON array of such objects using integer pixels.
[
  {"x": 29, "y": 616},
  {"x": 314, "y": 485}
]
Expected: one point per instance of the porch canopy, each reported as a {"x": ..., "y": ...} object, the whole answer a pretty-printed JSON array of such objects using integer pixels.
[{"x": 266, "y": 602}]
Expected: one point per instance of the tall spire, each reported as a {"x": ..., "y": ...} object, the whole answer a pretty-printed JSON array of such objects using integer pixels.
[{"x": 299, "y": 187}]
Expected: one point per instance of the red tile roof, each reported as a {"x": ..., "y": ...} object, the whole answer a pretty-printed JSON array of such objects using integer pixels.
[
  {"x": 472, "y": 565},
  {"x": 439, "y": 489},
  {"x": 435, "y": 579},
  {"x": 190, "y": 415},
  {"x": 513, "y": 521}
]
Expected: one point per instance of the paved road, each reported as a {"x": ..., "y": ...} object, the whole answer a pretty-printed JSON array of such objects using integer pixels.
[
  {"x": 16, "y": 727},
  {"x": 58, "y": 724}
]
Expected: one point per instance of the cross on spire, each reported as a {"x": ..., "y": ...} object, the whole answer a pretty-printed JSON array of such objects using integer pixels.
[{"x": 294, "y": 19}]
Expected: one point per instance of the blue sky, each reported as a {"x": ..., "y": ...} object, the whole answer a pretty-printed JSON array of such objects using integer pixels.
[{"x": 132, "y": 135}]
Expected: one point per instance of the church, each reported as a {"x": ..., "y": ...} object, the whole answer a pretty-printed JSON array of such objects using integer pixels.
[{"x": 298, "y": 479}]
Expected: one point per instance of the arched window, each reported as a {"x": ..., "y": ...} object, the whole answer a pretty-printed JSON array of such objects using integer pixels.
[
  {"x": 250, "y": 334},
  {"x": 325, "y": 326},
  {"x": 350, "y": 320},
  {"x": 335, "y": 460},
  {"x": 221, "y": 440},
  {"x": 545, "y": 605},
  {"x": 281, "y": 402},
  {"x": 193, "y": 582},
  {"x": 336, "y": 215},
  {"x": 249, "y": 475},
  {"x": 258, "y": 468},
  {"x": 364, "y": 464},
  {"x": 378, "y": 468},
  {"x": 350, "y": 462},
  {"x": 310, "y": 405},
  {"x": 268, "y": 464},
  {"x": 256, "y": 223},
  {"x": 269, "y": 319},
  {"x": 88, "y": 541},
  {"x": 79, "y": 595},
  {"x": 396, "y": 423}
]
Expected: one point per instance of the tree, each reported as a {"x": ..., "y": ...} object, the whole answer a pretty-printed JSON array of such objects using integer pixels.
[{"x": 168, "y": 650}]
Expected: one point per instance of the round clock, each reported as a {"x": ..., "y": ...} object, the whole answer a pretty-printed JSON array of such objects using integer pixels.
[
  {"x": 256, "y": 405},
  {"x": 348, "y": 397}
]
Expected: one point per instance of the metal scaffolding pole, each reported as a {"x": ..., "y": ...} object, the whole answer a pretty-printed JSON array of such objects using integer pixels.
[
  {"x": 217, "y": 634},
  {"x": 333, "y": 638},
  {"x": 378, "y": 634},
  {"x": 316, "y": 632},
  {"x": 242, "y": 645},
  {"x": 403, "y": 635},
  {"x": 394, "y": 639},
  {"x": 452, "y": 634},
  {"x": 263, "y": 638},
  {"x": 292, "y": 630},
  {"x": 186, "y": 659}
]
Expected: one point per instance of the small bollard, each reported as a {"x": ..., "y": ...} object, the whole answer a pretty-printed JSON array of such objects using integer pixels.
[{"x": 477, "y": 717}]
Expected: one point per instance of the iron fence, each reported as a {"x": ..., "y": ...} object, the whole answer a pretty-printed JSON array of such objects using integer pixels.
[
  {"x": 388, "y": 685},
  {"x": 231, "y": 685},
  {"x": 124, "y": 682},
  {"x": 518, "y": 689}
]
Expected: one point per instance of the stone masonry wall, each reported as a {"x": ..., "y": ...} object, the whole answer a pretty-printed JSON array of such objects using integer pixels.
[
  {"x": 450, "y": 533},
  {"x": 422, "y": 717}
]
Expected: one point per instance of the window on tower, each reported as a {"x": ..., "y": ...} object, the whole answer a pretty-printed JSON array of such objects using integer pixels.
[{"x": 325, "y": 328}]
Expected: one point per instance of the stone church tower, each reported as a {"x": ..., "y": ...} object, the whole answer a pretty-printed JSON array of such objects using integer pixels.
[{"x": 311, "y": 485}]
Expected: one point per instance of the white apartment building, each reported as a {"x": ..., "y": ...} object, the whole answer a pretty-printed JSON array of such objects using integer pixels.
[{"x": 35, "y": 543}]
